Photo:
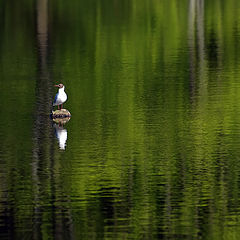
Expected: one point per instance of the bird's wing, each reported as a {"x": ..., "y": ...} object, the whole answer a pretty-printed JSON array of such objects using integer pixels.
[{"x": 55, "y": 99}]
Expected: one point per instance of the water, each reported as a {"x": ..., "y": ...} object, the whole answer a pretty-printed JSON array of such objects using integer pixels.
[{"x": 152, "y": 148}]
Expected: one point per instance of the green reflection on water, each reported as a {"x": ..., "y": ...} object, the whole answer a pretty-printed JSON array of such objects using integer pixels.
[{"x": 153, "y": 143}]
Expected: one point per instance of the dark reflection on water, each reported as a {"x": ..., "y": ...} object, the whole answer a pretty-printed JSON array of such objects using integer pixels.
[{"x": 152, "y": 148}]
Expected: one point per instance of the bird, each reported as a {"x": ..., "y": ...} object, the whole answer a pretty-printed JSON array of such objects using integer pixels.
[{"x": 61, "y": 96}]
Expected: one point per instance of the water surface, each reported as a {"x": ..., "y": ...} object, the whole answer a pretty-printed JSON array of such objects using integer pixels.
[{"x": 152, "y": 148}]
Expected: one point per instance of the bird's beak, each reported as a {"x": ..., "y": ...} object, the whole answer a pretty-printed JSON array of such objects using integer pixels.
[{"x": 56, "y": 85}]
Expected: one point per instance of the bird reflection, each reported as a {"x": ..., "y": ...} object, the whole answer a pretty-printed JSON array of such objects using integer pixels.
[{"x": 61, "y": 134}]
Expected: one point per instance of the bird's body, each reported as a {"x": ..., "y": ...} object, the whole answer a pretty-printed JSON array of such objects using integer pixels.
[{"x": 61, "y": 96}]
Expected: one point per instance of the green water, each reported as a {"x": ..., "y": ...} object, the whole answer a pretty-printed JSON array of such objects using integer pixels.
[{"x": 153, "y": 144}]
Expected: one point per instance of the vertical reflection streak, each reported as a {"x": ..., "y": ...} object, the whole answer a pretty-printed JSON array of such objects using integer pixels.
[
  {"x": 196, "y": 44},
  {"x": 198, "y": 78},
  {"x": 201, "y": 47},
  {"x": 42, "y": 124},
  {"x": 191, "y": 45}
]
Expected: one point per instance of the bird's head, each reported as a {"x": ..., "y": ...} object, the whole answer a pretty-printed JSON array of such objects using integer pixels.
[{"x": 59, "y": 85}]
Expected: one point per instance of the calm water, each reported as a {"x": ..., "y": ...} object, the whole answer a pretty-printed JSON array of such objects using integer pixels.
[{"x": 152, "y": 150}]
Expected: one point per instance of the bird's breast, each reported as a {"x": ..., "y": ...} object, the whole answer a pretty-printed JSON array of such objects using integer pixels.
[{"x": 63, "y": 97}]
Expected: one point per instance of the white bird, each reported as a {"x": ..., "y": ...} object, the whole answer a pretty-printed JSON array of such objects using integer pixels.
[{"x": 61, "y": 96}]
